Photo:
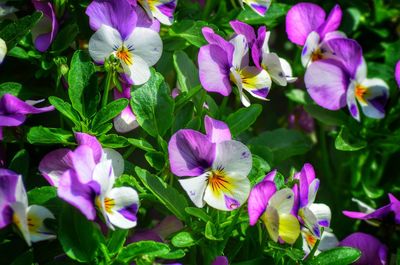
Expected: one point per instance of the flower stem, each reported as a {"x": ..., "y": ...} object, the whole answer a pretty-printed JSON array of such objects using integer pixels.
[{"x": 106, "y": 89}]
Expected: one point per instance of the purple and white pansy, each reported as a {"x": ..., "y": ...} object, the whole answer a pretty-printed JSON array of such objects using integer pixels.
[
  {"x": 212, "y": 168},
  {"x": 118, "y": 34},
  {"x": 85, "y": 178},
  {"x": 44, "y": 33},
  {"x": 162, "y": 10},
  {"x": 258, "y": 6},
  {"x": 13, "y": 111},
  {"x": 222, "y": 63},
  {"x": 278, "y": 68},
  {"x": 313, "y": 216},
  {"x": 342, "y": 80},
  {"x": 14, "y": 209},
  {"x": 308, "y": 26},
  {"x": 274, "y": 207}
]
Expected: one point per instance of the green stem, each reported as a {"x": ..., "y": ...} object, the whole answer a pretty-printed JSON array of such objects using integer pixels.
[
  {"x": 106, "y": 89},
  {"x": 208, "y": 8}
]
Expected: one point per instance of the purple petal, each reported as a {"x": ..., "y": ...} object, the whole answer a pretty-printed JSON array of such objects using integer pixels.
[
  {"x": 129, "y": 212},
  {"x": 92, "y": 142},
  {"x": 332, "y": 23},
  {"x": 118, "y": 14},
  {"x": 190, "y": 153},
  {"x": 256, "y": 49},
  {"x": 78, "y": 194},
  {"x": 327, "y": 83},
  {"x": 214, "y": 68},
  {"x": 43, "y": 41},
  {"x": 309, "y": 172},
  {"x": 9, "y": 120},
  {"x": 373, "y": 252},
  {"x": 270, "y": 176},
  {"x": 144, "y": 21},
  {"x": 301, "y": 20},
  {"x": 258, "y": 199},
  {"x": 221, "y": 260},
  {"x": 231, "y": 203},
  {"x": 244, "y": 29},
  {"x": 213, "y": 38},
  {"x": 348, "y": 52},
  {"x": 54, "y": 164},
  {"x": 10, "y": 104},
  {"x": 83, "y": 163},
  {"x": 217, "y": 131},
  {"x": 397, "y": 73},
  {"x": 354, "y": 215},
  {"x": 8, "y": 185}
]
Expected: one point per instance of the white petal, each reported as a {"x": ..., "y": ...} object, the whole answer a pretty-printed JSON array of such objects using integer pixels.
[
  {"x": 146, "y": 44},
  {"x": 271, "y": 221},
  {"x": 38, "y": 231},
  {"x": 322, "y": 212},
  {"x": 256, "y": 82},
  {"x": 157, "y": 13},
  {"x": 125, "y": 121},
  {"x": 376, "y": 88},
  {"x": 312, "y": 44},
  {"x": 365, "y": 208},
  {"x": 271, "y": 63},
  {"x": 104, "y": 175},
  {"x": 21, "y": 221},
  {"x": 3, "y": 50},
  {"x": 282, "y": 201},
  {"x": 287, "y": 69},
  {"x": 146, "y": 7},
  {"x": 195, "y": 188},
  {"x": 103, "y": 43},
  {"x": 117, "y": 161},
  {"x": 310, "y": 221},
  {"x": 123, "y": 213},
  {"x": 328, "y": 241},
  {"x": 351, "y": 101},
  {"x": 361, "y": 73},
  {"x": 265, "y": 47},
  {"x": 20, "y": 192},
  {"x": 312, "y": 191},
  {"x": 240, "y": 53},
  {"x": 138, "y": 72},
  {"x": 234, "y": 158},
  {"x": 238, "y": 81}
]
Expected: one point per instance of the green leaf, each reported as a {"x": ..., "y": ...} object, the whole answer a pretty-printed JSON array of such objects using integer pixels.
[
  {"x": 155, "y": 159},
  {"x": 347, "y": 142},
  {"x": 82, "y": 80},
  {"x": 10, "y": 88},
  {"x": 20, "y": 163},
  {"x": 177, "y": 254},
  {"x": 298, "y": 96},
  {"x": 138, "y": 249},
  {"x": 190, "y": 30},
  {"x": 113, "y": 141},
  {"x": 141, "y": 144},
  {"x": 117, "y": 240},
  {"x": 109, "y": 112},
  {"x": 242, "y": 119},
  {"x": 78, "y": 236},
  {"x": 325, "y": 116},
  {"x": 183, "y": 240},
  {"x": 43, "y": 135},
  {"x": 337, "y": 256},
  {"x": 259, "y": 170},
  {"x": 183, "y": 116},
  {"x": 275, "y": 14},
  {"x": 199, "y": 213},
  {"x": 283, "y": 143},
  {"x": 211, "y": 231},
  {"x": 65, "y": 37},
  {"x": 16, "y": 30},
  {"x": 24, "y": 259},
  {"x": 65, "y": 109},
  {"x": 153, "y": 105},
  {"x": 170, "y": 197},
  {"x": 186, "y": 70},
  {"x": 42, "y": 195}
]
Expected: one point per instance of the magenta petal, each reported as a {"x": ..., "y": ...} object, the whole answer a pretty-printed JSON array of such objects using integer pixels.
[
  {"x": 54, "y": 164},
  {"x": 220, "y": 260},
  {"x": 301, "y": 20},
  {"x": 10, "y": 104},
  {"x": 92, "y": 142},
  {"x": 354, "y": 215},
  {"x": 256, "y": 49},
  {"x": 214, "y": 68},
  {"x": 397, "y": 73},
  {"x": 8, "y": 184},
  {"x": 83, "y": 162},
  {"x": 144, "y": 21},
  {"x": 373, "y": 252},
  {"x": 332, "y": 23},
  {"x": 327, "y": 83},
  {"x": 118, "y": 14},
  {"x": 217, "y": 131},
  {"x": 309, "y": 172},
  {"x": 258, "y": 199},
  {"x": 244, "y": 29},
  {"x": 43, "y": 41},
  {"x": 213, "y": 38},
  {"x": 190, "y": 153},
  {"x": 80, "y": 195},
  {"x": 348, "y": 52},
  {"x": 12, "y": 120},
  {"x": 270, "y": 176}
]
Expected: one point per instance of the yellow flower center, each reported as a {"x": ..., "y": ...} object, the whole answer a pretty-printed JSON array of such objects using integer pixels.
[
  {"x": 361, "y": 92},
  {"x": 317, "y": 55},
  {"x": 108, "y": 204},
  {"x": 125, "y": 55},
  {"x": 219, "y": 181}
]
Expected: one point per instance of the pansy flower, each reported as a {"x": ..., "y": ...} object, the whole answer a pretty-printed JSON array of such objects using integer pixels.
[
  {"x": 259, "y": 6},
  {"x": 397, "y": 73},
  {"x": 308, "y": 26},
  {"x": 118, "y": 34},
  {"x": 274, "y": 208},
  {"x": 162, "y": 10},
  {"x": 14, "y": 209},
  {"x": 314, "y": 216},
  {"x": 126, "y": 120},
  {"x": 222, "y": 63},
  {"x": 327, "y": 241},
  {"x": 389, "y": 212},
  {"x": 13, "y": 111},
  {"x": 3, "y": 50},
  {"x": 342, "y": 80},
  {"x": 373, "y": 252},
  {"x": 85, "y": 178},
  {"x": 278, "y": 68},
  {"x": 45, "y": 31},
  {"x": 212, "y": 168}
]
